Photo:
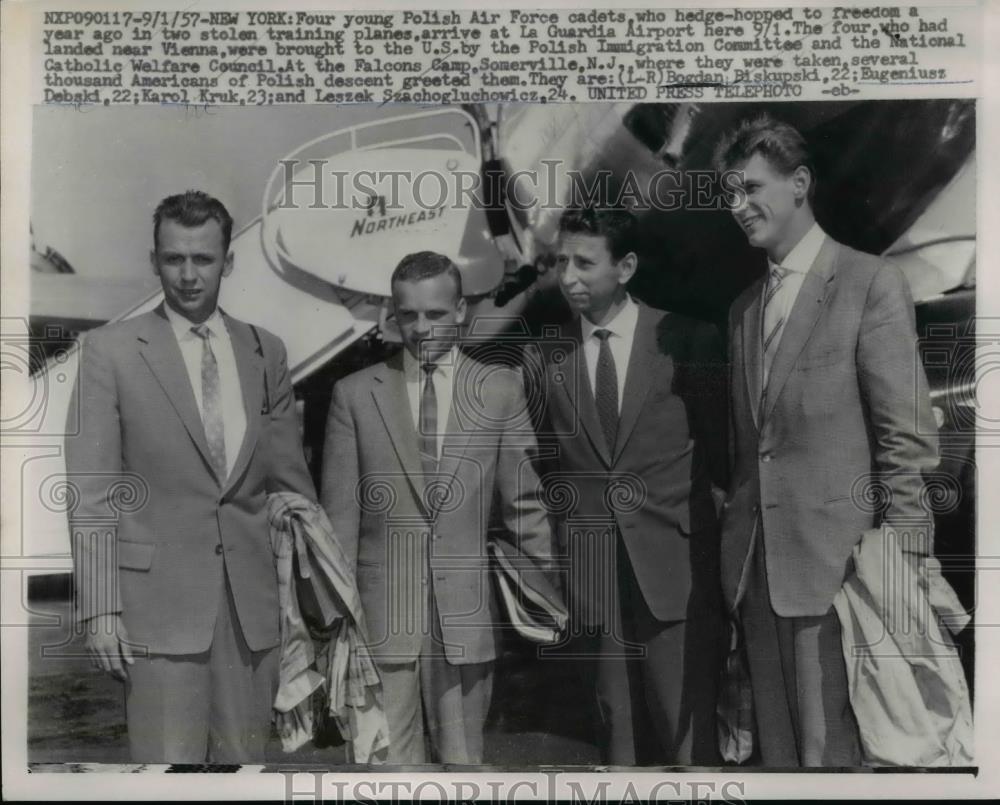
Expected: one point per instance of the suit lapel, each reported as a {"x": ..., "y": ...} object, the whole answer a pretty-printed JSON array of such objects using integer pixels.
[
  {"x": 159, "y": 349},
  {"x": 392, "y": 402},
  {"x": 250, "y": 366},
  {"x": 801, "y": 321},
  {"x": 639, "y": 376},
  {"x": 753, "y": 366},
  {"x": 458, "y": 433},
  {"x": 583, "y": 402}
]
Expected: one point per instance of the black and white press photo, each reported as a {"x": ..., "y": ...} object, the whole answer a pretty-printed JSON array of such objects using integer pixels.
[
  {"x": 638, "y": 230},
  {"x": 456, "y": 431}
]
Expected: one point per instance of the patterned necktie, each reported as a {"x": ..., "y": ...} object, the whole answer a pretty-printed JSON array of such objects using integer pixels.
[
  {"x": 606, "y": 389},
  {"x": 211, "y": 403},
  {"x": 428, "y": 422},
  {"x": 773, "y": 321}
]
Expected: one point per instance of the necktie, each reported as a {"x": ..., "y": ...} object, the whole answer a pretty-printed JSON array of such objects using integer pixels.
[
  {"x": 428, "y": 422},
  {"x": 773, "y": 321},
  {"x": 606, "y": 389},
  {"x": 211, "y": 403}
]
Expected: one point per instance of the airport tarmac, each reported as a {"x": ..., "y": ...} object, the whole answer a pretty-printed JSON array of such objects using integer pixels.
[{"x": 76, "y": 714}]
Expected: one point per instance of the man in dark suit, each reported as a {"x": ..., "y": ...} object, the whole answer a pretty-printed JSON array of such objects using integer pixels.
[
  {"x": 827, "y": 391},
  {"x": 195, "y": 410},
  {"x": 416, "y": 449},
  {"x": 636, "y": 413}
]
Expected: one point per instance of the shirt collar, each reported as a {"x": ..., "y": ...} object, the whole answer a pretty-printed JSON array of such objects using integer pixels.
[
  {"x": 182, "y": 326},
  {"x": 803, "y": 255},
  {"x": 622, "y": 325},
  {"x": 445, "y": 365}
]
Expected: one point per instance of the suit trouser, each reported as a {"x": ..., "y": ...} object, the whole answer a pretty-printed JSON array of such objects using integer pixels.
[
  {"x": 799, "y": 679},
  {"x": 453, "y": 701},
  {"x": 657, "y": 708},
  {"x": 215, "y": 705}
]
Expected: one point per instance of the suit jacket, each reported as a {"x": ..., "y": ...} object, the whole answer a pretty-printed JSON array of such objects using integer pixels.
[
  {"x": 377, "y": 498},
  {"x": 141, "y": 439},
  {"x": 655, "y": 486},
  {"x": 847, "y": 403}
]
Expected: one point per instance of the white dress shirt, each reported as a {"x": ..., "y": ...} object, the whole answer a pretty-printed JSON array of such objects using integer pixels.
[
  {"x": 234, "y": 418},
  {"x": 797, "y": 263},
  {"x": 443, "y": 378},
  {"x": 622, "y": 329}
]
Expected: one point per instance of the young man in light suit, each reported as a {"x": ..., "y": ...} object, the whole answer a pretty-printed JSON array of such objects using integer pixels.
[
  {"x": 195, "y": 410},
  {"x": 637, "y": 414},
  {"x": 416, "y": 449},
  {"x": 827, "y": 391}
]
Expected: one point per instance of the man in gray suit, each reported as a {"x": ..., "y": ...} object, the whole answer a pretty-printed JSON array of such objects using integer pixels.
[
  {"x": 416, "y": 449},
  {"x": 194, "y": 409},
  {"x": 826, "y": 392}
]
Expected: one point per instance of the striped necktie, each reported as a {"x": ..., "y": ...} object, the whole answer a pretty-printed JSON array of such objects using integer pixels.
[
  {"x": 211, "y": 403},
  {"x": 428, "y": 422},
  {"x": 773, "y": 320}
]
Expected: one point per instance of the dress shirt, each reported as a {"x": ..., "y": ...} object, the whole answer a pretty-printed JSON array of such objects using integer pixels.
[
  {"x": 234, "y": 417},
  {"x": 622, "y": 329},
  {"x": 443, "y": 378},
  {"x": 797, "y": 264}
]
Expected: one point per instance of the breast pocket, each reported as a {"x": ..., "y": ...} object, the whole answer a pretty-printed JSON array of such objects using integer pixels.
[
  {"x": 135, "y": 555},
  {"x": 660, "y": 396},
  {"x": 822, "y": 359}
]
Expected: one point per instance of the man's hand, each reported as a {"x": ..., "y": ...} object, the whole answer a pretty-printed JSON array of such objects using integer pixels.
[{"x": 107, "y": 645}]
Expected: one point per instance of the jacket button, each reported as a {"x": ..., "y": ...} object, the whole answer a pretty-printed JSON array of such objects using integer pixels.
[
  {"x": 765, "y": 457},
  {"x": 219, "y": 549}
]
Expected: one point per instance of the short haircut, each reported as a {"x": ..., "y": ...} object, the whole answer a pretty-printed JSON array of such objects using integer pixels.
[
  {"x": 619, "y": 228},
  {"x": 778, "y": 142},
  {"x": 424, "y": 266},
  {"x": 193, "y": 208}
]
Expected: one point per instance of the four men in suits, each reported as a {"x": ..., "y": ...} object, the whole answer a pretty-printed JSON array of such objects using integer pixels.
[
  {"x": 827, "y": 393},
  {"x": 638, "y": 422},
  {"x": 417, "y": 447},
  {"x": 195, "y": 410}
]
